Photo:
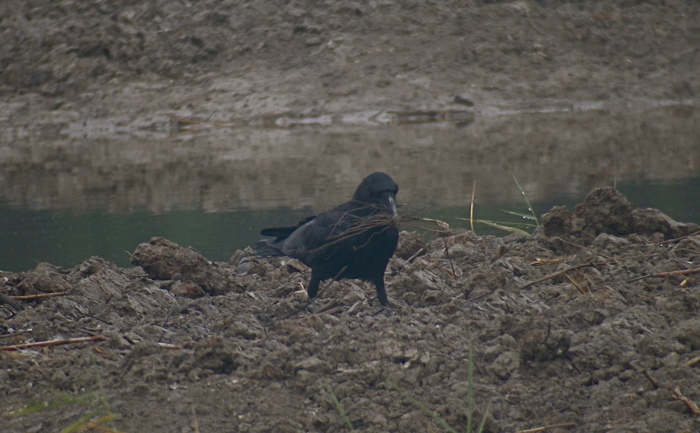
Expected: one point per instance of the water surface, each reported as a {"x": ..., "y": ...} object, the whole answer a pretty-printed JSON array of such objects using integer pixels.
[{"x": 97, "y": 188}]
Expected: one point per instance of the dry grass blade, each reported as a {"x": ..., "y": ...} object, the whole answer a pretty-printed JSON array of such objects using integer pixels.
[
  {"x": 563, "y": 271},
  {"x": 548, "y": 427},
  {"x": 416, "y": 254},
  {"x": 693, "y": 361},
  {"x": 442, "y": 228},
  {"x": 364, "y": 225},
  {"x": 85, "y": 422},
  {"x": 507, "y": 226},
  {"x": 471, "y": 208},
  {"x": 95, "y": 425},
  {"x": 502, "y": 226}
]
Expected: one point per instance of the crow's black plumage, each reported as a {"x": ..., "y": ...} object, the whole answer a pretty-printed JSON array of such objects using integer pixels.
[{"x": 353, "y": 240}]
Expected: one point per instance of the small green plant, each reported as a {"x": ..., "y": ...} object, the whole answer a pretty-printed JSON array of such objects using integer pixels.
[
  {"x": 521, "y": 228},
  {"x": 470, "y": 395},
  {"x": 61, "y": 399},
  {"x": 98, "y": 410},
  {"x": 339, "y": 407},
  {"x": 527, "y": 201},
  {"x": 437, "y": 418}
]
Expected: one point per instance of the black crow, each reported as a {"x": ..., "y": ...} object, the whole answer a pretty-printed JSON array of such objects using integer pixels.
[{"x": 353, "y": 240}]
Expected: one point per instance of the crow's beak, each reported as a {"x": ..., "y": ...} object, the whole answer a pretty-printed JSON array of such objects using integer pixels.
[{"x": 391, "y": 204}]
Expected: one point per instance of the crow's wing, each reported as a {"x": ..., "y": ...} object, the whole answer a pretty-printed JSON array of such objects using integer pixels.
[
  {"x": 275, "y": 247},
  {"x": 313, "y": 239},
  {"x": 317, "y": 238}
]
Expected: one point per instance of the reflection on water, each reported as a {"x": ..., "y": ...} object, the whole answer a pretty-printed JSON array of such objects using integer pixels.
[
  {"x": 65, "y": 238},
  {"x": 73, "y": 190}
]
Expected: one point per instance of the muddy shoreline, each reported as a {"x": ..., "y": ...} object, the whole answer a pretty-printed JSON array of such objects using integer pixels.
[{"x": 138, "y": 60}]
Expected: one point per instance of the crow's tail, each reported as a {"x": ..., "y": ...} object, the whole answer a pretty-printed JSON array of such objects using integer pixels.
[
  {"x": 267, "y": 248},
  {"x": 279, "y": 232}
]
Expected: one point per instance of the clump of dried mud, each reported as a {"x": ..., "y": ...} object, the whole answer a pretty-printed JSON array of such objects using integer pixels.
[{"x": 591, "y": 323}]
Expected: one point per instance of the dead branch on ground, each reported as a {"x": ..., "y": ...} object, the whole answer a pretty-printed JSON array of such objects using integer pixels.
[
  {"x": 564, "y": 271},
  {"x": 667, "y": 274},
  {"x": 52, "y": 343}
]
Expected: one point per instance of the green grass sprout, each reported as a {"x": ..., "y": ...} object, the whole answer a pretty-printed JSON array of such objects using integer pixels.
[
  {"x": 437, "y": 418},
  {"x": 339, "y": 408}
]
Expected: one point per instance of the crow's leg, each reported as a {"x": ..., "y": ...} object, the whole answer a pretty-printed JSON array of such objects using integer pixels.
[
  {"x": 381, "y": 292},
  {"x": 312, "y": 289}
]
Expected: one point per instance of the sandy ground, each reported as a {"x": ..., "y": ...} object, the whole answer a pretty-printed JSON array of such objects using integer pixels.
[{"x": 592, "y": 323}]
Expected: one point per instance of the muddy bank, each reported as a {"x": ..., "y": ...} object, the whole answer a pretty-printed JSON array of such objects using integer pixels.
[
  {"x": 137, "y": 60},
  {"x": 591, "y": 323}
]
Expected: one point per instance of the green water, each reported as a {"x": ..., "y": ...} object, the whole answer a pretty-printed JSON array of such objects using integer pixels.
[{"x": 66, "y": 238}]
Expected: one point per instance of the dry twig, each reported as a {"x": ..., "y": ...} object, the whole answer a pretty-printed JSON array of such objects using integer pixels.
[
  {"x": 539, "y": 261},
  {"x": 563, "y": 271},
  {"x": 547, "y": 427},
  {"x": 195, "y": 422},
  {"x": 37, "y": 296},
  {"x": 53, "y": 343},
  {"x": 667, "y": 274},
  {"x": 693, "y": 361},
  {"x": 670, "y": 241},
  {"x": 449, "y": 259},
  {"x": 577, "y": 285},
  {"x": 651, "y": 379},
  {"x": 416, "y": 254},
  {"x": 692, "y": 406},
  {"x": 14, "y": 334},
  {"x": 169, "y": 346}
]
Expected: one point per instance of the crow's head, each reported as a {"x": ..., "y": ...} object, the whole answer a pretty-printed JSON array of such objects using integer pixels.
[{"x": 378, "y": 189}]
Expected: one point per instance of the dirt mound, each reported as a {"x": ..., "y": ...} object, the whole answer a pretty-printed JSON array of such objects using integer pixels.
[
  {"x": 606, "y": 210},
  {"x": 592, "y": 323}
]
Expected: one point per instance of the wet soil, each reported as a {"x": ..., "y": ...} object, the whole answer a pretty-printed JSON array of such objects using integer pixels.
[
  {"x": 591, "y": 323},
  {"x": 147, "y": 64}
]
